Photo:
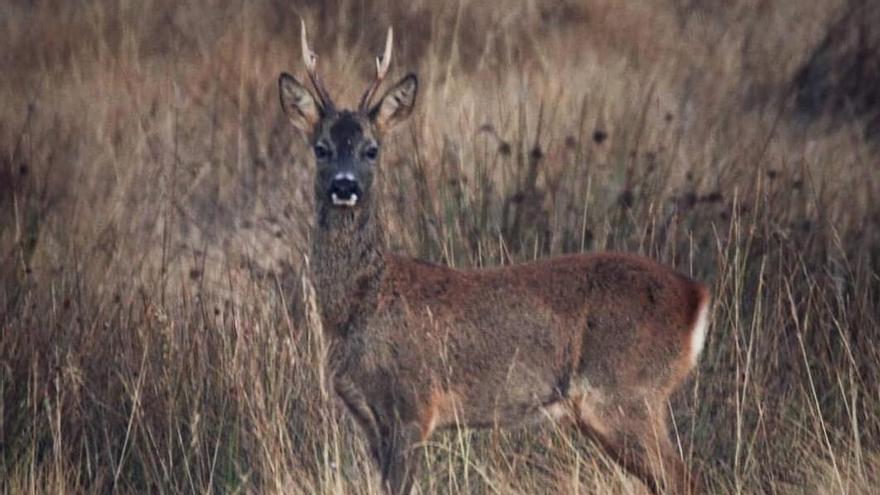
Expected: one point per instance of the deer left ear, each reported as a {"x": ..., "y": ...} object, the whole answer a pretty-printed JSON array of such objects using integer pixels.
[{"x": 396, "y": 105}]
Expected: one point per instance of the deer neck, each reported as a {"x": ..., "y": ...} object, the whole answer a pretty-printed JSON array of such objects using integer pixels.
[{"x": 348, "y": 248}]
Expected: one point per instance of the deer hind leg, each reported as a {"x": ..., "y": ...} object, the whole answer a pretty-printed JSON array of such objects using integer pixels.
[{"x": 637, "y": 437}]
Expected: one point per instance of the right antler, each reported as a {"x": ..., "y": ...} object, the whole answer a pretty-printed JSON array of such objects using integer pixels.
[
  {"x": 382, "y": 63},
  {"x": 311, "y": 61}
]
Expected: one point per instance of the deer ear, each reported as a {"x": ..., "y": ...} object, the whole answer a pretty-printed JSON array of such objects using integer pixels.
[
  {"x": 396, "y": 105},
  {"x": 298, "y": 104}
]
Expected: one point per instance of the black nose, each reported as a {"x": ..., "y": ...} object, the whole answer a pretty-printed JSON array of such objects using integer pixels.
[{"x": 345, "y": 191}]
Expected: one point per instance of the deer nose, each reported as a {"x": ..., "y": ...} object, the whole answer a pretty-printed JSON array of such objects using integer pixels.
[{"x": 345, "y": 190}]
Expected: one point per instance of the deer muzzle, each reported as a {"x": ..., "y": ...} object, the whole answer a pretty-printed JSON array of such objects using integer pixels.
[{"x": 345, "y": 190}]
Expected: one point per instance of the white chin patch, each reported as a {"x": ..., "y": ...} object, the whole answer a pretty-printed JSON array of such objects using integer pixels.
[{"x": 344, "y": 202}]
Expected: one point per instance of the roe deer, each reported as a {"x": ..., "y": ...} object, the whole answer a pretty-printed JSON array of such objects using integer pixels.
[{"x": 601, "y": 339}]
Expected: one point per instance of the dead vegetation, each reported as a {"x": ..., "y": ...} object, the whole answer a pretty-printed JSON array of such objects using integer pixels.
[{"x": 155, "y": 331}]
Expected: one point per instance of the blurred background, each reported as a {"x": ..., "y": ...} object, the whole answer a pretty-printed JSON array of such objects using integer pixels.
[{"x": 157, "y": 329}]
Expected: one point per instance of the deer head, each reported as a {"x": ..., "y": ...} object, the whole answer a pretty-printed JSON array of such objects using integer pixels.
[{"x": 346, "y": 144}]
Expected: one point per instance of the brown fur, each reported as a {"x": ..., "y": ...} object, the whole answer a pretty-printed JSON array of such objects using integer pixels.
[
  {"x": 606, "y": 336},
  {"x": 600, "y": 339}
]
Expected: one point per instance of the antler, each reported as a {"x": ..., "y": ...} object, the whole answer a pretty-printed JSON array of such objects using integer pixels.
[
  {"x": 311, "y": 61},
  {"x": 382, "y": 63}
]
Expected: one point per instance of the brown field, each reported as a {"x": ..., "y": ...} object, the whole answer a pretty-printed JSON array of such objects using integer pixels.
[{"x": 157, "y": 329}]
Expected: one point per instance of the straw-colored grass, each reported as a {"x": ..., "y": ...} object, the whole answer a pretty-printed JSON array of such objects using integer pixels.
[{"x": 157, "y": 329}]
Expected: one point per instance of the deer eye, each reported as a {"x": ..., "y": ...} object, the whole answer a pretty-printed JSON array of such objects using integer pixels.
[
  {"x": 321, "y": 152},
  {"x": 371, "y": 152}
]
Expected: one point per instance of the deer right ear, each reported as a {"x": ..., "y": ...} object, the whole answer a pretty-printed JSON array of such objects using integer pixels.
[
  {"x": 396, "y": 105},
  {"x": 298, "y": 104}
]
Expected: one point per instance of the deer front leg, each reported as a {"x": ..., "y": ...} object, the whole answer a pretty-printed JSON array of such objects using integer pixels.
[
  {"x": 400, "y": 458},
  {"x": 392, "y": 442},
  {"x": 357, "y": 406}
]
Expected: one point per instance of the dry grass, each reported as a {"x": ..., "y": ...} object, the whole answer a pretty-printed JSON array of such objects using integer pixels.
[{"x": 157, "y": 334}]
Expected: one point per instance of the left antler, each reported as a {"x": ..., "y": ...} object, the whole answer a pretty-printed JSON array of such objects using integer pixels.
[{"x": 382, "y": 63}]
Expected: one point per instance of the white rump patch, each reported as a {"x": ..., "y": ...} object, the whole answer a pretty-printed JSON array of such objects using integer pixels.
[
  {"x": 344, "y": 202},
  {"x": 698, "y": 333}
]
